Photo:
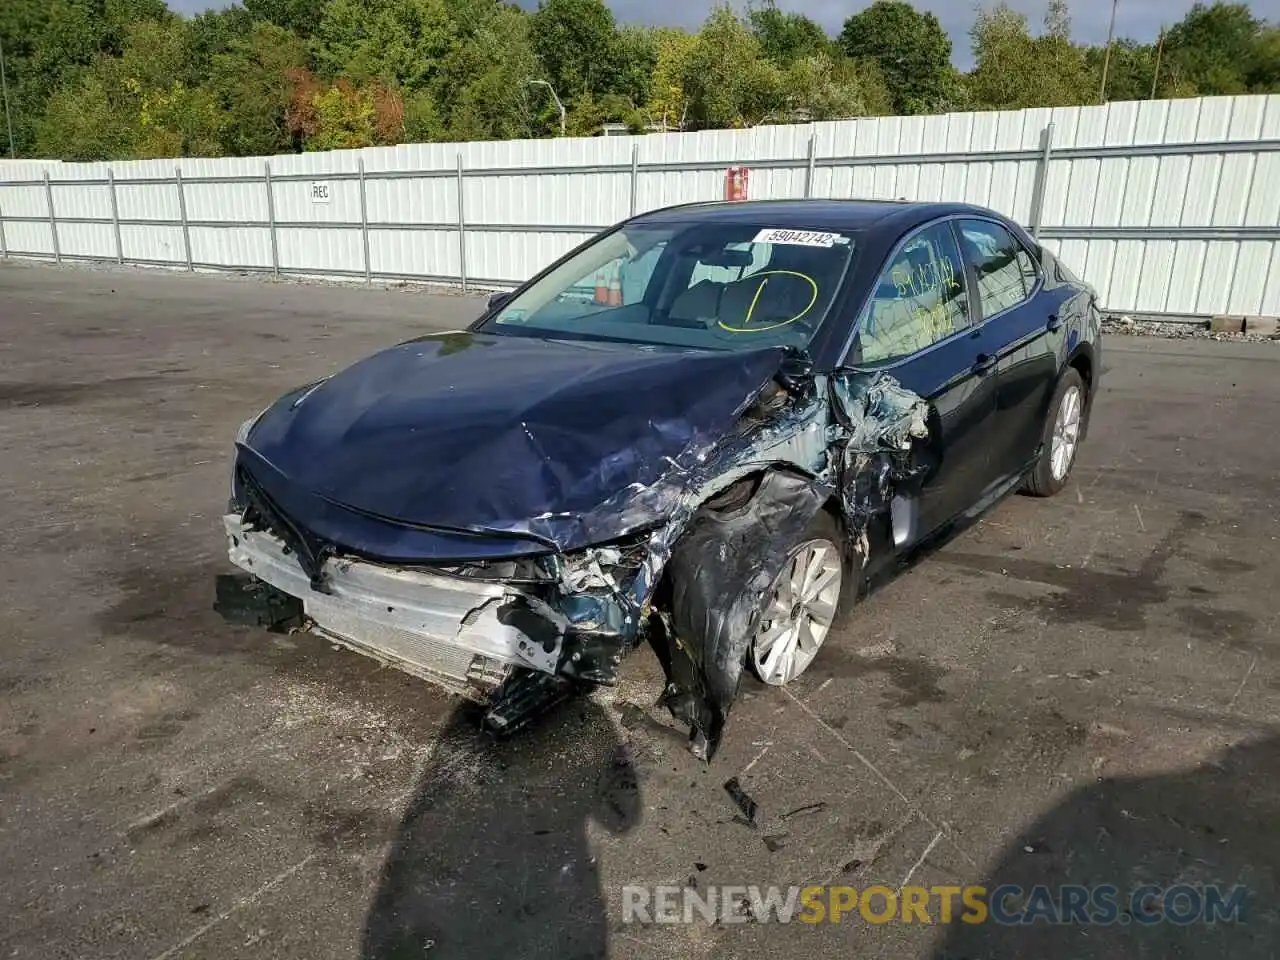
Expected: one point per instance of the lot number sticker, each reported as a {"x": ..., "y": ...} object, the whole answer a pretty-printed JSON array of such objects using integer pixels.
[{"x": 801, "y": 238}]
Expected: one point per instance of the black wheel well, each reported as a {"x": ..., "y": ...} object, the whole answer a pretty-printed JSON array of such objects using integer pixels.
[
  {"x": 731, "y": 498},
  {"x": 1083, "y": 365},
  {"x": 834, "y": 507}
]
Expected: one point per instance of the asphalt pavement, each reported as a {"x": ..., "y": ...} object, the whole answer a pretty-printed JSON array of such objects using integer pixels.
[{"x": 1083, "y": 690}]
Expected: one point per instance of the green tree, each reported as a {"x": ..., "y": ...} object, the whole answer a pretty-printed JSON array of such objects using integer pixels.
[
  {"x": 213, "y": 32},
  {"x": 483, "y": 90},
  {"x": 910, "y": 48},
  {"x": 118, "y": 16},
  {"x": 667, "y": 106},
  {"x": 1222, "y": 49},
  {"x": 823, "y": 87},
  {"x": 178, "y": 121},
  {"x": 65, "y": 39},
  {"x": 21, "y": 22},
  {"x": 345, "y": 119},
  {"x": 786, "y": 37},
  {"x": 1264, "y": 74},
  {"x": 422, "y": 122},
  {"x": 576, "y": 43},
  {"x": 956, "y": 96},
  {"x": 49, "y": 43},
  {"x": 726, "y": 81},
  {"x": 135, "y": 105},
  {"x": 155, "y": 54},
  {"x": 1015, "y": 70},
  {"x": 100, "y": 79},
  {"x": 400, "y": 42},
  {"x": 171, "y": 117},
  {"x": 1130, "y": 69},
  {"x": 298, "y": 16},
  {"x": 636, "y": 63},
  {"x": 88, "y": 118},
  {"x": 253, "y": 83},
  {"x": 459, "y": 67}
]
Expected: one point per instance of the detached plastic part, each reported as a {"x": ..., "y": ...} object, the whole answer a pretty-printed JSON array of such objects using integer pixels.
[
  {"x": 248, "y": 602},
  {"x": 522, "y": 698}
]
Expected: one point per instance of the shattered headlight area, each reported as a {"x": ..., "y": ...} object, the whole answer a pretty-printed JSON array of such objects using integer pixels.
[{"x": 582, "y": 608}]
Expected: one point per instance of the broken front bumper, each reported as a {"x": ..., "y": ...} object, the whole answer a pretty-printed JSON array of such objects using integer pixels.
[{"x": 447, "y": 630}]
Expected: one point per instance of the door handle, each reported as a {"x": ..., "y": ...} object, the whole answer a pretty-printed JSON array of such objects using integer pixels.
[
  {"x": 1054, "y": 322},
  {"x": 984, "y": 363}
]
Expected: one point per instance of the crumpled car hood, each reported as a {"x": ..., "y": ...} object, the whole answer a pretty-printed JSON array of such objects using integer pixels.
[{"x": 534, "y": 444}]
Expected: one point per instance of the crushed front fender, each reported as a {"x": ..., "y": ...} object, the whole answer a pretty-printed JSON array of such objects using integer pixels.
[{"x": 720, "y": 572}]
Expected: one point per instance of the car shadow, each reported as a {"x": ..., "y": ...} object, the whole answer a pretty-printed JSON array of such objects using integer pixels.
[
  {"x": 492, "y": 857},
  {"x": 1213, "y": 825}
]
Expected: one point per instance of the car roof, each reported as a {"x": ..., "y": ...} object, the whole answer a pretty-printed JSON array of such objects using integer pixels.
[{"x": 813, "y": 214}]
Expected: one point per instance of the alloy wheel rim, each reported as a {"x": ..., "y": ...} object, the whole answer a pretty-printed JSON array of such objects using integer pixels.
[
  {"x": 1066, "y": 433},
  {"x": 799, "y": 613}
]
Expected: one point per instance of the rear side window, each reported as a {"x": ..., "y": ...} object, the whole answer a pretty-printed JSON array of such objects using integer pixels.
[
  {"x": 919, "y": 300},
  {"x": 1006, "y": 272}
]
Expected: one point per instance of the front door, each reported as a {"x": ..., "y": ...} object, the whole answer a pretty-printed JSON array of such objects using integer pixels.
[
  {"x": 919, "y": 328},
  {"x": 1022, "y": 319}
]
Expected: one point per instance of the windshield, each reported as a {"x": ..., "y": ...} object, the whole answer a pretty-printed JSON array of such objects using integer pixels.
[{"x": 715, "y": 285}]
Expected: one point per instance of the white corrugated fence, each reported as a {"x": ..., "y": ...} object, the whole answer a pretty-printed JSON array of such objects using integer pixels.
[{"x": 1168, "y": 207}]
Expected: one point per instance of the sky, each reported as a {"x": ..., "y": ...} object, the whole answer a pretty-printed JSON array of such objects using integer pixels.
[{"x": 1139, "y": 19}]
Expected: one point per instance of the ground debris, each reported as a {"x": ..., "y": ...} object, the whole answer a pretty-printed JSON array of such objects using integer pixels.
[
  {"x": 806, "y": 809},
  {"x": 1174, "y": 329},
  {"x": 742, "y": 800}
]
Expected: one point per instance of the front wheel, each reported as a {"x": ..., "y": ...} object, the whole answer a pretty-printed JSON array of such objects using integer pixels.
[
  {"x": 1061, "y": 440},
  {"x": 801, "y": 606}
]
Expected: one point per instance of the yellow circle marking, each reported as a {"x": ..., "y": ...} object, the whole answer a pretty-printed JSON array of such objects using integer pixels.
[{"x": 760, "y": 289}]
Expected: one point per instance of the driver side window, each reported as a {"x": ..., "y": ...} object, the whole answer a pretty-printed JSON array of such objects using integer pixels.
[{"x": 919, "y": 299}]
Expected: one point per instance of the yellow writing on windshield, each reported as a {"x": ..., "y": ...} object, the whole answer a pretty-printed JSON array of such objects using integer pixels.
[{"x": 765, "y": 275}]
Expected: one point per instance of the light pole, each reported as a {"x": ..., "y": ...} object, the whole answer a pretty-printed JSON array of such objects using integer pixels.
[
  {"x": 1155, "y": 77},
  {"x": 559, "y": 105},
  {"x": 4, "y": 91},
  {"x": 1106, "y": 60}
]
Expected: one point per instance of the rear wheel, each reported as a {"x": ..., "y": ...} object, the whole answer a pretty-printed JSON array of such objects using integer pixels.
[
  {"x": 1061, "y": 440},
  {"x": 801, "y": 606}
]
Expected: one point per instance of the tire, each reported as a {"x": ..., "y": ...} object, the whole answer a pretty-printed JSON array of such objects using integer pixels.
[
  {"x": 787, "y": 642},
  {"x": 1060, "y": 440}
]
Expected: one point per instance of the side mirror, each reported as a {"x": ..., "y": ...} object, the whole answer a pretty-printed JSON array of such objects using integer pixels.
[{"x": 498, "y": 300}]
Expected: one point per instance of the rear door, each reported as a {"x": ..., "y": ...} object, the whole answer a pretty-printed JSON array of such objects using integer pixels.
[
  {"x": 919, "y": 327},
  {"x": 1025, "y": 335}
]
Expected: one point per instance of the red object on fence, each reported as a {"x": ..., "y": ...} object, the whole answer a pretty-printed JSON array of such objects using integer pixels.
[{"x": 735, "y": 183}]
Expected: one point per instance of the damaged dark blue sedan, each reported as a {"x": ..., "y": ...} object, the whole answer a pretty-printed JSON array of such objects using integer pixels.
[{"x": 708, "y": 428}]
